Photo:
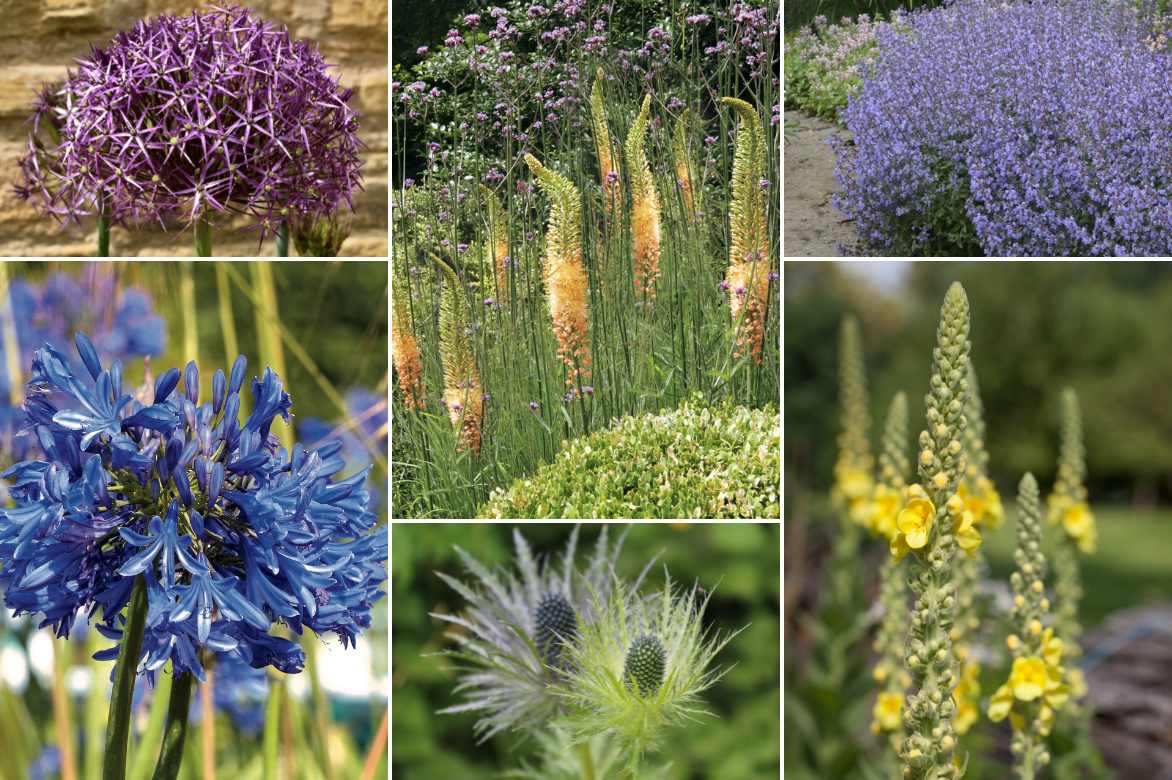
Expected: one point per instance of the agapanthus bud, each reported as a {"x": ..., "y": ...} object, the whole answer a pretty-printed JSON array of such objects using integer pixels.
[
  {"x": 556, "y": 623},
  {"x": 646, "y": 660}
]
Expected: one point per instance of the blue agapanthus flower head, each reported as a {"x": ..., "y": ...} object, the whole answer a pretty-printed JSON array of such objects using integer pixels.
[{"x": 229, "y": 533}]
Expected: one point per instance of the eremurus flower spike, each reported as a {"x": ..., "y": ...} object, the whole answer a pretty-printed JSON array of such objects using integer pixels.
[
  {"x": 498, "y": 241},
  {"x": 686, "y": 178},
  {"x": 928, "y": 527},
  {"x": 463, "y": 395},
  {"x": 608, "y": 162},
  {"x": 565, "y": 276},
  {"x": 748, "y": 262},
  {"x": 645, "y": 208},
  {"x": 405, "y": 355}
]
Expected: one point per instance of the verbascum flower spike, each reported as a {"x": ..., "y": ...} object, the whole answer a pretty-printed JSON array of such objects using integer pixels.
[
  {"x": 640, "y": 666},
  {"x": 498, "y": 242},
  {"x": 645, "y": 208},
  {"x": 748, "y": 261},
  {"x": 1035, "y": 689},
  {"x": 1068, "y": 511},
  {"x": 930, "y": 526},
  {"x": 463, "y": 394},
  {"x": 513, "y": 638},
  {"x": 405, "y": 355},
  {"x": 852, "y": 470},
  {"x": 565, "y": 276},
  {"x": 893, "y": 679},
  {"x": 686, "y": 178},
  {"x": 982, "y": 506},
  {"x": 608, "y": 163}
]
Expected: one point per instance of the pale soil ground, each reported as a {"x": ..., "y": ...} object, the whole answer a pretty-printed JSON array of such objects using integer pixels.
[{"x": 813, "y": 227}]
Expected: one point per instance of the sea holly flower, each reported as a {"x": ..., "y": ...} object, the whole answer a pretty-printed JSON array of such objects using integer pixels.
[
  {"x": 183, "y": 117},
  {"x": 640, "y": 665},
  {"x": 518, "y": 629}
]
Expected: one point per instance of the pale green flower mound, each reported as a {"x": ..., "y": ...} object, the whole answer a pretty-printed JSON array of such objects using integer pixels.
[{"x": 690, "y": 462}]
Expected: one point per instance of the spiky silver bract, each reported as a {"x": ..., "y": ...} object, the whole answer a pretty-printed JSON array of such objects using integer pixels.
[
  {"x": 601, "y": 701},
  {"x": 504, "y": 674}
]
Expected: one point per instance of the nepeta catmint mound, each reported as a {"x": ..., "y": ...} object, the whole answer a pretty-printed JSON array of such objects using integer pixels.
[
  {"x": 225, "y": 533},
  {"x": 1040, "y": 128},
  {"x": 183, "y": 116}
]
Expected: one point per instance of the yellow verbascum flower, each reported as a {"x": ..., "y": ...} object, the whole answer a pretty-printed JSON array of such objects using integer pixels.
[
  {"x": 915, "y": 521},
  {"x": 887, "y": 712},
  {"x": 1079, "y": 523},
  {"x": 885, "y": 507},
  {"x": 967, "y": 694}
]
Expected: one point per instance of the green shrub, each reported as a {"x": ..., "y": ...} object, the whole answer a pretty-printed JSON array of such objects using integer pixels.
[
  {"x": 824, "y": 64},
  {"x": 691, "y": 462}
]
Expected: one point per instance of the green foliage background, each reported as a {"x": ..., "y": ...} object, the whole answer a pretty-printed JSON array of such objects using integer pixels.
[{"x": 739, "y": 562}]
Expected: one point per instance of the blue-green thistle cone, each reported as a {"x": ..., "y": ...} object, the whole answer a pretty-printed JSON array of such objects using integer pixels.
[
  {"x": 556, "y": 623},
  {"x": 646, "y": 661}
]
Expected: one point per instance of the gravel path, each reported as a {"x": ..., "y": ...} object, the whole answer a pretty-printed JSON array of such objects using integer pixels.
[{"x": 813, "y": 227}]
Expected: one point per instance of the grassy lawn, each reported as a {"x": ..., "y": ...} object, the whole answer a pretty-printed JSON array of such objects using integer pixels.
[{"x": 1132, "y": 566}]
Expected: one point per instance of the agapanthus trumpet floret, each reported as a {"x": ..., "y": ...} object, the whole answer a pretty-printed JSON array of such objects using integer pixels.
[
  {"x": 184, "y": 116},
  {"x": 1035, "y": 689},
  {"x": 932, "y": 526},
  {"x": 641, "y": 664},
  {"x": 518, "y": 628},
  {"x": 230, "y": 534}
]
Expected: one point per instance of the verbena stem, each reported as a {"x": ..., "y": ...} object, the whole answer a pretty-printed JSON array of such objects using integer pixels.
[
  {"x": 171, "y": 756},
  {"x": 118, "y": 724}
]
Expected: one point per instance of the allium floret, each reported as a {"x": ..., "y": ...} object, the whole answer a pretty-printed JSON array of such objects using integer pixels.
[
  {"x": 181, "y": 116},
  {"x": 230, "y": 533}
]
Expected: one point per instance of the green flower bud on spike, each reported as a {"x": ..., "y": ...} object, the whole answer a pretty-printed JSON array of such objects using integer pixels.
[
  {"x": 646, "y": 661},
  {"x": 556, "y": 623}
]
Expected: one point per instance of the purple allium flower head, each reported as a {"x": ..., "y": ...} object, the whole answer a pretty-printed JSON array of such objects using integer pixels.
[
  {"x": 227, "y": 532},
  {"x": 217, "y": 111}
]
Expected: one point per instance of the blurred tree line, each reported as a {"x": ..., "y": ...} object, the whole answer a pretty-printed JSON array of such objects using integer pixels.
[
  {"x": 1101, "y": 328},
  {"x": 738, "y": 562}
]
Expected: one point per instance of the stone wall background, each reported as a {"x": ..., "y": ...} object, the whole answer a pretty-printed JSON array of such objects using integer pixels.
[{"x": 40, "y": 39}]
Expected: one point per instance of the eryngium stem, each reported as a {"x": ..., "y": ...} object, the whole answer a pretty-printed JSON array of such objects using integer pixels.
[
  {"x": 646, "y": 661},
  {"x": 125, "y": 668},
  {"x": 175, "y": 734}
]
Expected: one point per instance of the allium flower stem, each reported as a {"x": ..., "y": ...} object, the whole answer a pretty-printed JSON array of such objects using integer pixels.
[
  {"x": 203, "y": 237},
  {"x": 283, "y": 240},
  {"x": 118, "y": 724},
  {"x": 103, "y": 235},
  {"x": 175, "y": 734}
]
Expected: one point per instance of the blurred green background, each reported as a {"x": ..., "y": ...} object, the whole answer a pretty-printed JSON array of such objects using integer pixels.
[
  {"x": 1101, "y": 328},
  {"x": 738, "y": 561}
]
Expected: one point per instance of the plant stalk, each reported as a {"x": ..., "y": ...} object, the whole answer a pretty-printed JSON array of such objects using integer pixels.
[
  {"x": 171, "y": 755},
  {"x": 586, "y": 760},
  {"x": 125, "y": 671},
  {"x": 62, "y": 719},
  {"x": 203, "y": 236},
  {"x": 103, "y": 235},
  {"x": 283, "y": 240},
  {"x": 208, "y": 723}
]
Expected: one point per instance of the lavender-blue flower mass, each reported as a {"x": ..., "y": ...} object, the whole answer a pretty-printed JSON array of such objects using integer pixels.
[
  {"x": 1019, "y": 128},
  {"x": 230, "y": 534}
]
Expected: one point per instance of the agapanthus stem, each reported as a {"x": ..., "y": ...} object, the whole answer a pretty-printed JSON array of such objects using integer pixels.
[
  {"x": 118, "y": 725},
  {"x": 203, "y": 237},
  {"x": 175, "y": 734},
  {"x": 283, "y": 240},
  {"x": 103, "y": 236}
]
